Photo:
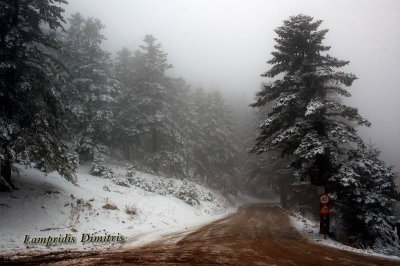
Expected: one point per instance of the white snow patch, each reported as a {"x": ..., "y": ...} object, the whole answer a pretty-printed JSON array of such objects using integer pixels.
[
  {"x": 49, "y": 205},
  {"x": 310, "y": 229},
  {"x": 313, "y": 107}
]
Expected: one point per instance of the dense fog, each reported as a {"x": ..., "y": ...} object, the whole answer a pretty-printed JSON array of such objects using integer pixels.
[{"x": 224, "y": 45}]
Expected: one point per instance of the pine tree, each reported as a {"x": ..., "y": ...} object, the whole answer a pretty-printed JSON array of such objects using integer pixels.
[
  {"x": 215, "y": 149},
  {"x": 96, "y": 89},
  {"x": 182, "y": 112},
  {"x": 146, "y": 116},
  {"x": 31, "y": 105},
  {"x": 30, "y": 99},
  {"x": 124, "y": 131},
  {"x": 365, "y": 194},
  {"x": 198, "y": 160},
  {"x": 306, "y": 122},
  {"x": 124, "y": 70},
  {"x": 315, "y": 131}
]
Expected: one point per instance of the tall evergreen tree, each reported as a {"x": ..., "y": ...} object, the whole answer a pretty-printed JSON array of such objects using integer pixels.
[
  {"x": 305, "y": 121},
  {"x": 182, "y": 112},
  {"x": 91, "y": 77},
  {"x": 125, "y": 131},
  {"x": 124, "y": 70},
  {"x": 310, "y": 126},
  {"x": 146, "y": 116},
  {"x": 215, "y": 149},
  {"x": 30, "y": 105}
]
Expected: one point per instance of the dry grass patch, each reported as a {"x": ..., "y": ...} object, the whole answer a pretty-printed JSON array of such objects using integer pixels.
[
  {"x": 131, "y": 210},
  {"x": 109, "y": 206}
]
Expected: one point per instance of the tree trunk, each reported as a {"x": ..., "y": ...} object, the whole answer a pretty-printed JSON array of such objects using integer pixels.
[{"x": 6, "y": 185}]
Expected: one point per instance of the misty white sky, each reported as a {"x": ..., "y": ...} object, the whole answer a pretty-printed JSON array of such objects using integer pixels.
[{"x": 224, "y": 44}]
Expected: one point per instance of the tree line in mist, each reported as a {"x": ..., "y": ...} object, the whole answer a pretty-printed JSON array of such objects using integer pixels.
[{"x": 90, "y": 106}]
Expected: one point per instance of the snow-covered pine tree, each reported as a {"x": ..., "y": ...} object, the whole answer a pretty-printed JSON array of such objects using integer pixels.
[
  {"x": 215, "y": 148},
  {"x": 311, "y": 127},
  {"x": 365, "y": 193},
  {"x": 304, "y": 122},
  {"x": 182, "y": 112},
  {"x": 30, "y": 105},
  {"x": 146, "y": 118},
  {"x": 198, "y": 161},
  {"x": 124, "y": 130},
  {"x": 97, "y": 90},
  {"x": 124, "y": 68}
]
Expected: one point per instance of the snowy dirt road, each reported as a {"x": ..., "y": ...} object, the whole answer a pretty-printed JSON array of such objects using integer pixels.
[{"x": 257, "y": 234}]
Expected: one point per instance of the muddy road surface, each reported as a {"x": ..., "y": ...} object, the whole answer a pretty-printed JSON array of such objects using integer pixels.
[{"x": 257, "y": 234}]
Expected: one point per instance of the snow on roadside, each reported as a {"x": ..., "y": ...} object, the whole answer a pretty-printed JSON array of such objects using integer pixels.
[
  {"x": 48, "y": 205},
  {"x": 310, "y": 229}
]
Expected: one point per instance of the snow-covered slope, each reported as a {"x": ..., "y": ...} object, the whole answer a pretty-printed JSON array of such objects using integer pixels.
[
  {"x": 310, "y": 229},
  {"x": 147, "y": 206}
]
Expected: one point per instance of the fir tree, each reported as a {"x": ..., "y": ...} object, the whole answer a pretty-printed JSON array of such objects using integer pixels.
[
  {"x": 365, "y": 194},
  {"x": 146, "y": 117},
  {"x": 124, "y": 131},
  {"x": 124, "y": 70},
  {"x": 305, "y": 120},
  {"x": 310, "y": 126},
  {"x": 198, "y": 150},
  {"x": 215, "y": 148},
  {"x": 96, "y": 89},
  {"x": 182, "y": 112},
  {"x": 30, "y": 99}
]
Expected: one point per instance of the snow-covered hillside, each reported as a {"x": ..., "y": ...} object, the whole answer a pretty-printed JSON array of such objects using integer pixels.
[{"x": 136, "y": 205}]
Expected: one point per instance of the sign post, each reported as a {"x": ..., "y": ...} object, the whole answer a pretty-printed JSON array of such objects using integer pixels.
[{"x": 324, "y": 214}]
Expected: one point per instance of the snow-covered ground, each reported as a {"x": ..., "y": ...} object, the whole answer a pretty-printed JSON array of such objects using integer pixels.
[
  {"x": 310, "y": 229},
  {"x": 147, "y": 207}
]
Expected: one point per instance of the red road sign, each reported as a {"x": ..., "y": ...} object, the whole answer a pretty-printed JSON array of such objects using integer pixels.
[
  {"x": 324, "y": 199},
  {"x": 325, "y": 210}
]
